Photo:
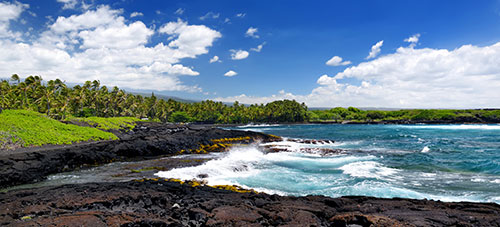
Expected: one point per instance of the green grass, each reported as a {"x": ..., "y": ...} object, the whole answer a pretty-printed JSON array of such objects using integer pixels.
[
  {"x": 109, "y": 123},
  {"x": 22, "y": 128}
]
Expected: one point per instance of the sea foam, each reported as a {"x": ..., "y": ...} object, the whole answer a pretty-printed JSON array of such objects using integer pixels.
[{"x": 454, "y": 127}]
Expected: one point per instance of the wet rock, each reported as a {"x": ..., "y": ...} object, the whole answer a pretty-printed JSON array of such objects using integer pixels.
[
  {"x": 203, "y": 175},
  {"x": 146, "y": 141}
]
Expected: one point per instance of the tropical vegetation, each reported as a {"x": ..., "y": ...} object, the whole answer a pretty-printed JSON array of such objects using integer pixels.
[
  {"x": 352, "y": 114},
  {"x": 23, "y": 128},
  {"x": 92, "y": 101},
  {"x": 59, "y": 101}
]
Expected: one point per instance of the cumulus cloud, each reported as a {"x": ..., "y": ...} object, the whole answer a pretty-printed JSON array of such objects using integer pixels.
[
  {"x": 413, "y": 40},
  {"x": 336, "y": 61},
  {"x": 210, "y": 15},
  {"x": 68, "y": 4},
  {"x": 466, "y": 77},
  {"x": 9, "y": 12},
  {"x": 101, "y": 44},
  {"x": 230, "y": 73},
  {"x": 258, "y": 48},
  {"x": 251, "y": 32},
  {"x": 239, "y": 54},
  {"x": 214, "y": 59},
  {"x": 136, "y": 14},
  {"x": 179, "y": 11},
  {"x": 191, "y": 40},
  {"x": 241, "y": 15},
  {"x": 375, "y": 50}
]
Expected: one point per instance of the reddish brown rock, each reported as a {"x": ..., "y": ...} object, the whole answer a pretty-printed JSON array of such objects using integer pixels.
[{"x": 161, "y": 203}]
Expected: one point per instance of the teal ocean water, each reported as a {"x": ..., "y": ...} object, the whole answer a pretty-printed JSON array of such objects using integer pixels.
[{"x": 440, "y": 162}]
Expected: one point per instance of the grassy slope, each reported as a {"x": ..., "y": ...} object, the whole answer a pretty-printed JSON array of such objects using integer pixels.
[
  {"x": 110, "y": 123},
  {"x": 22, "y": 128}
]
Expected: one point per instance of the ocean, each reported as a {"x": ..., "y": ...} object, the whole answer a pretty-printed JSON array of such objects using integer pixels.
[{"x": 439, "y": 162}]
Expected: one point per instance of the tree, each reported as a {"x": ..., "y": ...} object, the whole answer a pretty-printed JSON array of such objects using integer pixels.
[
  {"x": 16, "y": 78},
  {"x": 179, "y": 116}
]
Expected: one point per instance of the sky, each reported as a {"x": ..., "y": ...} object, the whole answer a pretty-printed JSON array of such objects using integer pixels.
[{"x": 379, "y": 53}]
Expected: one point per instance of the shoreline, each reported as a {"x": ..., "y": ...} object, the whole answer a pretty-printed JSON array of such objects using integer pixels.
[
  {"x": 398, "y": 122},
  {"x": 153, "y": 201},
  {"x": 406, "y": 122},
  {"x": 147, "y": 141}
]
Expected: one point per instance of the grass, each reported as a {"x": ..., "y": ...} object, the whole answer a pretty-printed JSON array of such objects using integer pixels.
[
  {"x": 23, "y": 128},
  {"x": 109, "y": 123}
]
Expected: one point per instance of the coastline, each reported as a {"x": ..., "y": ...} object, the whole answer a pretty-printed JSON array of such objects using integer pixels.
[
  {"x": 147, "y": 140},
  {"x": 404, "y": 122},
  {"x": 346, "y": 122},
  {"x": 153, "y": 201}
]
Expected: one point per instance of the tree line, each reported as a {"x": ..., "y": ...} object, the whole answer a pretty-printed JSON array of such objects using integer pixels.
[
  {"x": 352, "y": 114},
  {"x": 59, "y": 101}
]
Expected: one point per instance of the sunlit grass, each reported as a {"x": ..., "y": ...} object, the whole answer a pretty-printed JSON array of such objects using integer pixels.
[
  {"x": 23, "y": 128},
  {"x": 109, "y": 123}
]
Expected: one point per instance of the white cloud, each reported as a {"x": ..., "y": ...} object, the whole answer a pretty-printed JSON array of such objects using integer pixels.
[
  {"x": 413, "y": 40},
  {"x": 11, "y": 11},
  {"x": 68, "y": 4},
  {"x": 179, "y": 11},
  {"x": 8, "y": 12},
  {"x": 227, "y": 20},
  {"x": 136, "y": 14},
  {"x": 102, "y": 16},
  {"x": 466, "y": 77},
  {"x": 210, "y": 15},
  {"x": 241, "y": 15},
  {"x": 176, "y": 69},
  {"x": 214, "y": 59},
  {"x": 230, "y": 73},
  {"x": 191, "y": 40},
  {"x": 251, "y": 32},
  {"x": 375, "y": 50},
  {"x": 239, "y": 54},
  {"x": 101, "y": 44},
  {"x": 259, "y": 47},
  {"x": 336, "y": 61}
]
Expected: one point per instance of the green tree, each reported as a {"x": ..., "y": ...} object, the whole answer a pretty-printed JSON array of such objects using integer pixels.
[{"x": 179, "y": 116}]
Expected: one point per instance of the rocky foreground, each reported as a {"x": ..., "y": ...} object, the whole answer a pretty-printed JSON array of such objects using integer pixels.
[
  {"x": 157, "y": 202},
  {"x": 147, "y": 140},
  {"x": 160, "y": 203}
]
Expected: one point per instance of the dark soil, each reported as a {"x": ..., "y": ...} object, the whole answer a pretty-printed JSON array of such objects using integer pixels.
[{"x": 160, "y": 203}]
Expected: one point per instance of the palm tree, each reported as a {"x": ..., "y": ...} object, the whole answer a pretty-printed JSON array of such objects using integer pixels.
[
  {"x": 15, "y": 77},
  {"x": 4, "y": 90}
]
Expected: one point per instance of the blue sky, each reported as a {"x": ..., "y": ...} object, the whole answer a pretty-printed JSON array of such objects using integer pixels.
[{"x": 423, "y": 54}]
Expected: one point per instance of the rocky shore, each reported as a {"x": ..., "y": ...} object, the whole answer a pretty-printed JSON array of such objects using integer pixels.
[
  {"x": 146, "y": 140},
  {"x": 160, "y": 202}
]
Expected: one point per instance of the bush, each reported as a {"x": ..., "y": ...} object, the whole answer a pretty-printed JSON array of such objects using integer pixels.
[{"x": 179, "y": 116}]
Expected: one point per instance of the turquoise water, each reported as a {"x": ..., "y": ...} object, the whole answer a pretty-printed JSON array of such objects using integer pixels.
[{"x": 440, "y": 162}]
